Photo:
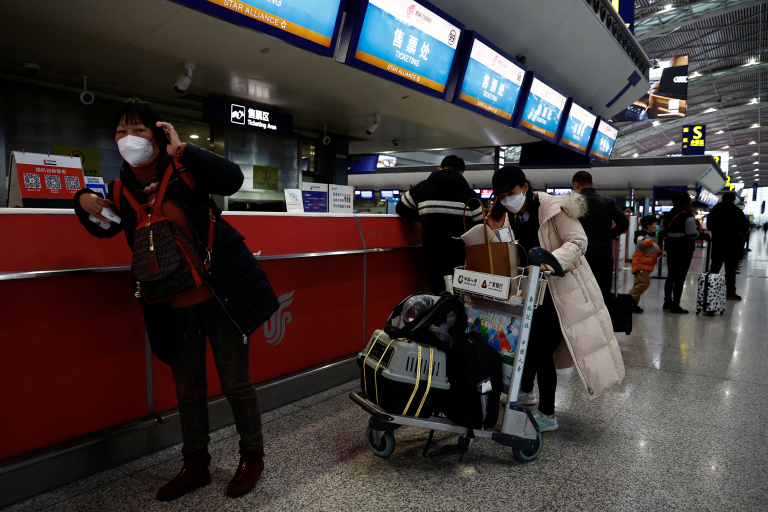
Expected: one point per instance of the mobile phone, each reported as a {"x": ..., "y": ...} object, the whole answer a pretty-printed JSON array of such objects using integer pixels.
[{"x": 167, "y": 138}]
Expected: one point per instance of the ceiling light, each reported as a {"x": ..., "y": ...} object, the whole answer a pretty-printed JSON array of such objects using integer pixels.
[
  {"x": 719, "y": 133},
  {"x": 656, "y": 123},
  {"x": 755, "y": 153},
  {"x": 752, "y": 62},
  {"x": 755, "y": 126},
  {"x": 755, "y": 163},
  {"x": 667, "y": 8},
  {"x": 671, "y": 143},
  {"x": 194, "y": 136},
  {"x": 754, "y": 100},
  {"x": 734, "y": 165},
  {"x": 753, "y": 142},
  {"x": 726, "y": 147},
  {"x": 635, "y": 155},
  {"x": 711, "y": 109}
]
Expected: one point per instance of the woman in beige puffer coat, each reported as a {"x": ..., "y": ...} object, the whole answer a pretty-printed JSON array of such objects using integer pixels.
[{"x": 572, "y": 327}]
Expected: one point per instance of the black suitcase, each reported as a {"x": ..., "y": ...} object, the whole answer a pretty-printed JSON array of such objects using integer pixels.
[{"x": 620, "y": 305}]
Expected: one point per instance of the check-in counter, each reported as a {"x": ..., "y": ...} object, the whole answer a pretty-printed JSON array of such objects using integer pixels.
[{"x": 73, "y": 356}]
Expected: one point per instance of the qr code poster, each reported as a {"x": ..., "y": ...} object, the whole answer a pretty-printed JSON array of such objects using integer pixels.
[{"x": 48, "y": 176}]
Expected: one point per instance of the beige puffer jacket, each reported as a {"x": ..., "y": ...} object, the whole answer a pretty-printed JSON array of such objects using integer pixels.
[{"x": 588, "y": 339}]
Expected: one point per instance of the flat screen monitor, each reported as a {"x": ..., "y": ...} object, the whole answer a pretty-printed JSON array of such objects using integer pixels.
[
  {"x": 386, "y": 194},
  {"x": 543, "y": 109},
  {"x": 309, "y": 24},
  {"x": 489, "y": 80},
  {"x": 386, "y": 161},
  {"x": 605, "y": 138},
  {"x": 486, "y": 193},
  {"x": 366, "y": 194},
  {"x": 559, "y": 191},
  {"x": 577, "y": 129},
  {"x": 413, "y": 44}
]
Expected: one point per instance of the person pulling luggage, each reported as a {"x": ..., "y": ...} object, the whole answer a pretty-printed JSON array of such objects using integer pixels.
[{"x": 573, "y": 310}]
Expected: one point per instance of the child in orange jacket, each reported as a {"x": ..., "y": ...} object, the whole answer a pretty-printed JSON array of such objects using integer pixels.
[{"x": 644, "y": 260}]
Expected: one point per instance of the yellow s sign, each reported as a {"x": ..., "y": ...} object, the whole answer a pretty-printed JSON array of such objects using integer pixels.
[{"x": 697, "y": 132}]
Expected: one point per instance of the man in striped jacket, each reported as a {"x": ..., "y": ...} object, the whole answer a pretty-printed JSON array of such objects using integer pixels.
[{"x": 438, "y": 203}]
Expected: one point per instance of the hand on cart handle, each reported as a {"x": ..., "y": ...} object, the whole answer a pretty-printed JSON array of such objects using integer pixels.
[{"x": 542, "y": 257}]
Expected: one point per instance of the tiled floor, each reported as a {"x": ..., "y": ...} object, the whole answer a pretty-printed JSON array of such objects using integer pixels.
[{"x": 685, "y": 430}]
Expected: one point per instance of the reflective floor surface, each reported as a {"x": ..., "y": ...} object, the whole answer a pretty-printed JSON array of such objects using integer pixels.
[{"x": 686, "y": 430}]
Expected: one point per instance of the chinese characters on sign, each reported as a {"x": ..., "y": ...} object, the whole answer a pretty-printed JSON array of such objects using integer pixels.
[
  {"x": 694, "y": 138},
  {"x": 543, "y": 109}
]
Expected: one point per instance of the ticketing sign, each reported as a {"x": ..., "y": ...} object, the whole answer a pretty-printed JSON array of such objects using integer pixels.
[
  {"x": 578, "y": 128},
  {"x": 489, "y": 81},
  {"x": 543, "y": 109},
  {"x": 605, "y": 138},
  {"x": 694, "y": 138},
  {"x": 237, "y": 113},
  {"x": 411, "y": 43},
  {"x": 309, "y": 24}
]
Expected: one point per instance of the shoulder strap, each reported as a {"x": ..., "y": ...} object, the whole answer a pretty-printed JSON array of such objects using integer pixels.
[
  {"x": 116, "y": 190},
  {"x": 673, "y": 219}
]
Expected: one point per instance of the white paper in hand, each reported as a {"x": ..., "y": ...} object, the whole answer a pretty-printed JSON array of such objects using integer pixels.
[
  {"x": 106, "y": 212},
  {"x": 99, "y": 222}
]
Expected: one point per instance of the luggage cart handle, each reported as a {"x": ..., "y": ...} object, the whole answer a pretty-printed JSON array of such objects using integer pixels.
[{"x": 538, "y": 256}]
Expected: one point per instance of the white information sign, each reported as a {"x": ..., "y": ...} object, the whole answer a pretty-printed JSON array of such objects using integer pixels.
[
  {"x": 481, "y": 284},
  {"x": 293, "y": 202},
  {"x": 340, "y": 199}
]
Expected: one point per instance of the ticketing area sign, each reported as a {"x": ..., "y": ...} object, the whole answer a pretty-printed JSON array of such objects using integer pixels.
[
  {"x": 237, "y": 113},
  {"x": 411, "y": 43},
  {"x": 605, "y": 138},
  {"x": 577, "y": 129},
  {"x": 543, "y": 109},
  {"x": 309, "y": 24},
  {"x": 489, "y": 80}
]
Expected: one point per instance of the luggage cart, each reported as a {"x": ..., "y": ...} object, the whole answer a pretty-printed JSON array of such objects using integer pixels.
[{"x": 519, "y": 429}]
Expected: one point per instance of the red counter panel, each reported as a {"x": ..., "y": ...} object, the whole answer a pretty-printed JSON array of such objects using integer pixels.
[
  {"x": 72, "y": 359},
  {"x": 388, "y": 232},
  {"x": 55, "y": 241}
]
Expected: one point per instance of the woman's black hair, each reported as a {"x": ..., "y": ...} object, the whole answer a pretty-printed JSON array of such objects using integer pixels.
[
  {"x": 681, "y": 200},
  {"x": 648, "y": 220},
  {"x": 529, "y": 194},
  {"x": 137, "y": 111}
]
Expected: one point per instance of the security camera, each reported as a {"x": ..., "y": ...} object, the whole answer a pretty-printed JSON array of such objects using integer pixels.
[
  {"x": 86, "y": 97},
  {"x": 374, "y": 126},
  {"x": 184, "y": 80},
  {"x": 396, "y": 142},
  {"x": 326, "y": 140},
  {"x": 32, "y": 68}
]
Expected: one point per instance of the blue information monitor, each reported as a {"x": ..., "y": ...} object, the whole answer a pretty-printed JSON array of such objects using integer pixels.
[
  {"x": 605, "y": 138},
  {"x": 489, "y": 80},
  {"x": 542, "y": 110},
  {"x": 577, "y": 129},
  {"x": 411, "y": 43},
  {"x": 309, "y": 24}
]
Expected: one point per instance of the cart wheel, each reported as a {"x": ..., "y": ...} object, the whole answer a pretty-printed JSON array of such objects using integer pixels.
[
  {"x": 529, "y": 455},
  {"x": 383, "y": 448}
]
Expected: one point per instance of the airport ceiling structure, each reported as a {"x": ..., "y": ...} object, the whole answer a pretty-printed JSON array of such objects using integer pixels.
[{"x": 727, "y": 41}]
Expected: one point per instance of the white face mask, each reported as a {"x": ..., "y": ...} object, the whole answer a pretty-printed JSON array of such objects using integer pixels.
[
  {"x": 513, "y": 203},
  {"x": 135, "y": 150}
]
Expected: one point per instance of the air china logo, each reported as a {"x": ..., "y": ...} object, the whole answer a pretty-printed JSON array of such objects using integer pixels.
[
  {"x": 49, "y": 162},
  {"x": 274, "y": 329},
  {"x": 410, "y": 10}
]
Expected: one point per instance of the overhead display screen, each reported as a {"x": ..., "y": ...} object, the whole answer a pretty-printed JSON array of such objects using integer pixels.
[
  {"x": 310, "y": 24},
  {"x": 605, "y": 138},
  {"x": 543, "y": 109},
  {"x": 408, "y": 42},
  {"x": 491, "y": 82},
  {"x": 579, "y": 125}
]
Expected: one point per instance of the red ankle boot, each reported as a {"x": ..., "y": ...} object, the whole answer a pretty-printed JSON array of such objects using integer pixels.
[
  {"x": 248, "y": 473},
  {"x": 194, "y": 474}
]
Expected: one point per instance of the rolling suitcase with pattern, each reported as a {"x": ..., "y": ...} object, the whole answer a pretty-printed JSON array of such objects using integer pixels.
[{"x": 711, "y": 290}]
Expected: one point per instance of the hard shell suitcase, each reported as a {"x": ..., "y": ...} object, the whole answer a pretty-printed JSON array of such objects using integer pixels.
[
  {"x": 711, "y": 291},
  {"x": 620, "y": 305},
  {"x": 395, "y": 374}
]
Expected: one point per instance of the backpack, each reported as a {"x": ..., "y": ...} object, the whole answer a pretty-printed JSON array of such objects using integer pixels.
[
  {"x": 429, "y": 319},
  {"x": 475, "y": 375},
  {"x": 165, "y": 263}
]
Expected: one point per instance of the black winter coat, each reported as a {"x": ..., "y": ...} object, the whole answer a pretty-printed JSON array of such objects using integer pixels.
[
  {"x": 603, "y": 212},
  {"x": 235, "y": 277},
  {"x": 728, "y": 225},
  {"x": 438, "y": 203}
]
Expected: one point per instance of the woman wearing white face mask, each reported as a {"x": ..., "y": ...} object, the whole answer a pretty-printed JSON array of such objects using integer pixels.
[
  {"x": 573, "y": 310},
  {"x": 232, "y": 297}
]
